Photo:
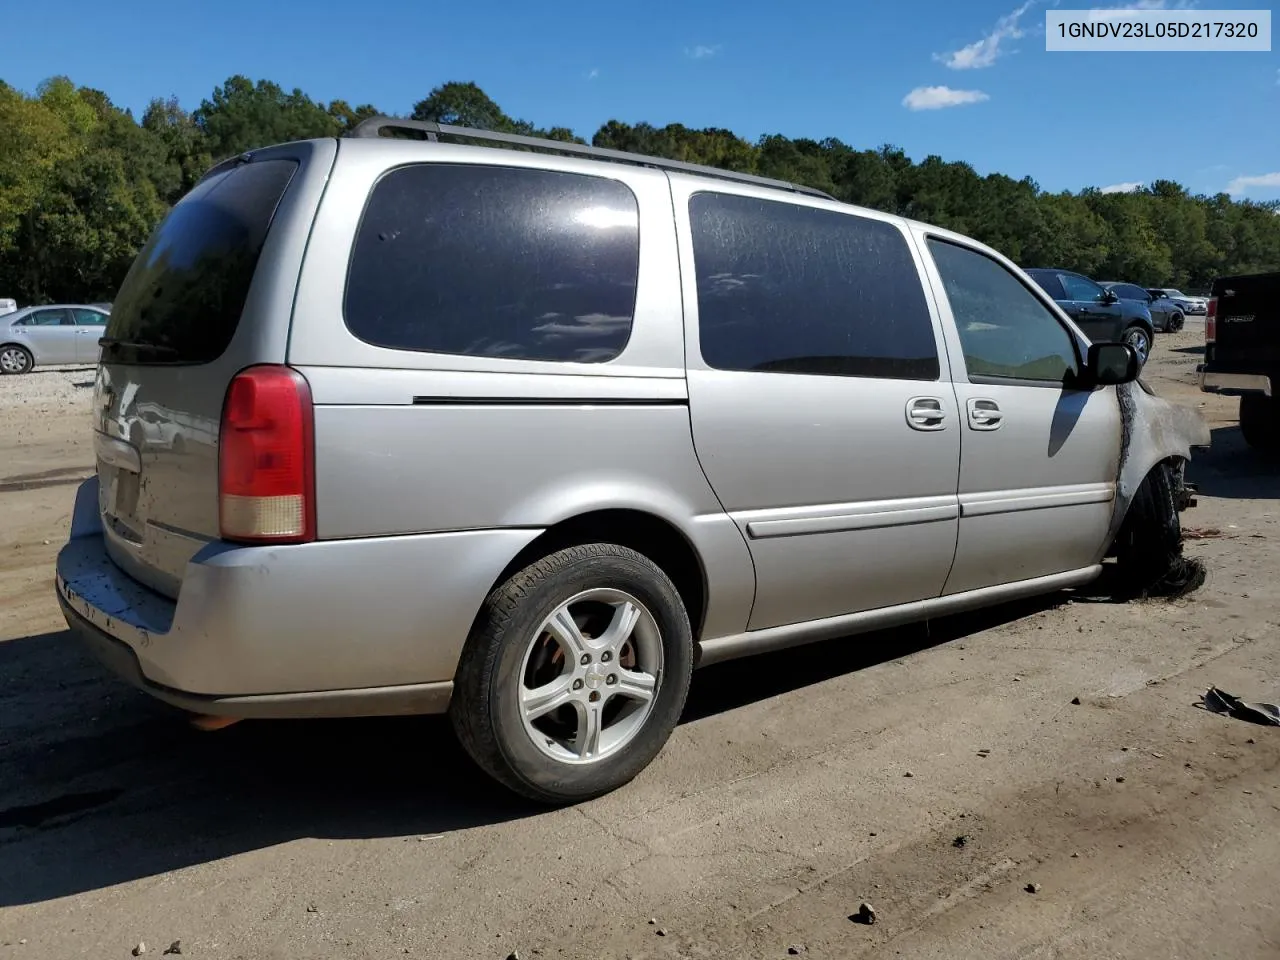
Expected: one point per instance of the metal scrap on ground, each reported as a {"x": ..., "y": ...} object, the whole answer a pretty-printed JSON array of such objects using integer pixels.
[{"x": 1219, "y": 701}]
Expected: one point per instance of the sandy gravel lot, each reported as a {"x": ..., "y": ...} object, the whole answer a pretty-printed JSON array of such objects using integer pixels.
[{"x": 933, "y": 772}]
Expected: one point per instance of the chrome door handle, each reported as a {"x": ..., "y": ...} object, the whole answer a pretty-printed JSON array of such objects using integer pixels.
[
  {"x": 984, "y": 414},
  {"x": 926, "y": 413}
]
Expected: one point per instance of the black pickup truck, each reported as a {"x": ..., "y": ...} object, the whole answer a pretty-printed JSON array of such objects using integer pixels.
[{"x": 1242, "y": 353}]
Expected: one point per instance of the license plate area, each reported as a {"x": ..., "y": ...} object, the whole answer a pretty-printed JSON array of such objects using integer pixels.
[{"x": 118, "y": 495}]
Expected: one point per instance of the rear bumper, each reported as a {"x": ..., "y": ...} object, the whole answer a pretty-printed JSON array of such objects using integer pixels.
[
  {"x": 121, "y": 660},
  {"x": 1234, "y": 384},
  {"x": 333, "y": 628}
]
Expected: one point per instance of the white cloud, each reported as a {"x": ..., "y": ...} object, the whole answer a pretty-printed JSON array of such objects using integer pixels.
[
  {"x": 1106, "y": 13},
  {"x": 1126, "y": 187},
  {"x": 1242, "y": 185},
  {"x": 983, "y": 53},
  {"x": 1154, "y": 5},
  {"x": 939, "y": 98},
  {"x": 593, "y": 73},
  {"x": 702, "y": 51}
]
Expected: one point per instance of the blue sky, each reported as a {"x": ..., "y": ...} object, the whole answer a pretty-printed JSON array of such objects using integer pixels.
[{"x": 967, "y": 79}]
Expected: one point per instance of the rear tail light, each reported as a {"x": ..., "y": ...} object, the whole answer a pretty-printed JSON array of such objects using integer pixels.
[
  {"x": 1211, "y": 320},
  {"x": 266, "y": 458}
]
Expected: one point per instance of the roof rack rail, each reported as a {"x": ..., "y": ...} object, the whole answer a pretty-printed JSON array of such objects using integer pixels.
[{"x": 374, "y": 126}]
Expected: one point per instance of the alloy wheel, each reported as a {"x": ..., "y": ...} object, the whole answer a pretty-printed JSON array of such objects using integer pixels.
[{"x": 590, "y": 675}]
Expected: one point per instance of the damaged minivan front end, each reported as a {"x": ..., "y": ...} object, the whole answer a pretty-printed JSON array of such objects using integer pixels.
[{"x": 1158, "y": 439}]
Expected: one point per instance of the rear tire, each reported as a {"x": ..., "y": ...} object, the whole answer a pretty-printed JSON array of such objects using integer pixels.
[
  {"x": 1260, "y": 422},
  {"x": 15, "y": 359},
  {"x": 597, "y": 628},
  {"x": 1149, "y": 560}
]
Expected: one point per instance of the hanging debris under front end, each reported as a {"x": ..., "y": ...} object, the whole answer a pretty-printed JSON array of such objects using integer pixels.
[{"x": 1158, "y": 438}]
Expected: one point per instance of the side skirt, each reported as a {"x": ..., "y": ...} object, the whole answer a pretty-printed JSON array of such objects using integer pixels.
[{"x": 794, "y": 634}]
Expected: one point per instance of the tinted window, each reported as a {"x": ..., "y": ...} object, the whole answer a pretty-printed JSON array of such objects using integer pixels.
[
  {"x": 1127, "y": 291},
  {"x": 496, "y": 262},
  {"x": 182, "y": 298},
  {"x": 1078, "y": 288},
  {"x": 90, "y": 318},
  {"x": 1049, "y": 283},
  {"x": 1006, "y": 332},
  {"x": 789, "y": 289}
]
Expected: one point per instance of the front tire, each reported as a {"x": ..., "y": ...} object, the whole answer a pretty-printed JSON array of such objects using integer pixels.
[
  {"x": 1149, "y": 559},
  {"x": 575, "y": 674},
  {"x": 1176, "y": 322},
  {"x": 1139, "y": 338},
  {"x": 15, "y": 359},
  {"x": 1260, "y": 422}
]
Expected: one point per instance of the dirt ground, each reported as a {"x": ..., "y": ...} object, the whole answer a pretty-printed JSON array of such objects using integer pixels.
[{"x": 934, "y": 772}]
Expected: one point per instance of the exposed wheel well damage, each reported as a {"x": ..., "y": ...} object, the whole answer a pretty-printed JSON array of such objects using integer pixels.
[
  {"x": 1153, "y": 432},
  {"x": 645, "y": 533},
  {"x": 1177, "y": 472},
  {"x": 1176, "y": 467},
  {"x": 1157, "y": 440}
]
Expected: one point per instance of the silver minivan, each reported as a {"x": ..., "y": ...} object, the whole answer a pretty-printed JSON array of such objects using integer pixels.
[{"x": 524, "y": 431}]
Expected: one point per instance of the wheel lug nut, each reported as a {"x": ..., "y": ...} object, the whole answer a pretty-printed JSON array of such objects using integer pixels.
[
  {"x": 586, "y": 658},
  {"x": 606, "y": 656},
  {"x": 595, "y": 695},
  {"x": 577, "y": 684},
  {"x": 611, "y": 679}
]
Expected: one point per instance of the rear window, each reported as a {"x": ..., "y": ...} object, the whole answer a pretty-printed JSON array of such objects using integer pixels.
[
  {"x": 181, "y": 300},
  {"x": 489, "y": 261}
]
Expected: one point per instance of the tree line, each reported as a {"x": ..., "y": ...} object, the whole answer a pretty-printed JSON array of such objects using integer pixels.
[{"x": 83, "y": 183}]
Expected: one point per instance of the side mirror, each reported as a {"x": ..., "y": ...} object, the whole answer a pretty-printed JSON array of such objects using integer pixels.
[
  {"x": 1109, "y": 296},
  {"x": 1108, "y": 364}
]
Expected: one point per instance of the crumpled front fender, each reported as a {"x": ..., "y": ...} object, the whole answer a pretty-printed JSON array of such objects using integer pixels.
[{"x": 1153, "y": 430}]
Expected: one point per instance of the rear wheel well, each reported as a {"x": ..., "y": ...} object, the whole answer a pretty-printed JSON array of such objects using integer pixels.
[{"x": 643, "y": 532}]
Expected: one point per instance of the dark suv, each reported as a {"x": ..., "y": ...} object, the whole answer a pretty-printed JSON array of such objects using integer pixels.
[
  {"x": 1098, "y": 312},
  {"x": 1166, "y": 315}
]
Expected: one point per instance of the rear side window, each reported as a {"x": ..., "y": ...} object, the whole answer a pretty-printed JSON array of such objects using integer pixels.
[
  {"x": 181, "y": 300},
  {"x": 490, "y": 261},
  {"x": 1127, "y": 291},
  {"x": 48, "y": 318},
  {"x": 784, "y": 288}
]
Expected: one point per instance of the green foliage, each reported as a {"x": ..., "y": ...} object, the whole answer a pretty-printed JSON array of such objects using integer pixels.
[
  {"x": 80, "y": 190},
  {"x": 466, "y": 105},
  {"x": 243, "y": 115},
  {"x": 82, "y": 185}
]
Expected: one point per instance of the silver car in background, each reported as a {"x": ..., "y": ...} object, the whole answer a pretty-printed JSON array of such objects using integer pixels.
[
  {"x": 52, "y": 334},
  {"x": 390, "y": 426},
  {"x": 1196, "y": 306}
]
